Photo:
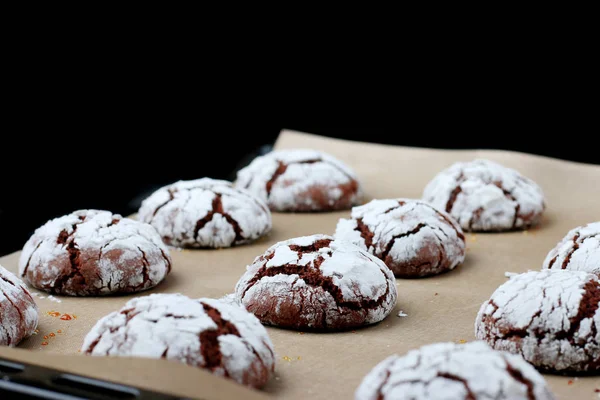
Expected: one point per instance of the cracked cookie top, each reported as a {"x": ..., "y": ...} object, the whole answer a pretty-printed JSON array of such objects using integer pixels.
[
  {"x": 206, "y": 213},
  {"x": 579, "y": 250},
  {"x": 18, "y": 311},
  {"x": 317, "y": 283},
  {"x": 469, "y": 371},
  {"x": 301, "y": 180},
  {"x": 205, "y": 333},
  {"x": 91, "y": 252},
  {"x": 551, "y": 318},
  {"x": 485, "y": 196},
  {"x": 413, "y": 238}
]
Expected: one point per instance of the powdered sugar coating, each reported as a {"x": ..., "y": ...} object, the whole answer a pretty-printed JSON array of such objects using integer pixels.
[
  {"x": 579, "y": 250},
  {"x": 471, "y": 371},
  {"x": 206, "y": 213},
  {"x": 205, "y": 333},
  {"x": 91, "y": 252},
  {"x": 485, "y": 196},
  {"x": 413, "y": 238},
  {"x": 316, "y": 282},
  {"x": 551, "y": 318},
  {"x": 18, "y": 311},
  {"x": 301, "y": 180}
]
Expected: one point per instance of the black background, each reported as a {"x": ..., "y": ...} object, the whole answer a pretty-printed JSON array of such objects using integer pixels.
[{"x": 112, "y": 164}]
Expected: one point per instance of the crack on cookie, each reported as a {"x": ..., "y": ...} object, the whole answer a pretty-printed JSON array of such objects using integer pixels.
[
  {"x": 314, "y": 277},
  {"x": 11, "y": 302},
  {"x": 588, "y": 305},
  {"x": 400, "y": 205},
  {"x": 365, "y": 232},
  {"x": 445, "y": 218},
  {"x": 452, "y": 377},
  {"x": 508, "y": 194},
  {"x": 145, "y": 275},
  {"x": 166, "y": 260},
  {"x": 454, "y": 194},
  {"x": 380, "y": 395},
  {"x": 551, "y": 263},
  {"x": 281, "y": 168},
  {"x": 217, "y": 208},
  {"x": 209, "y": 339},
  {"x": 390, "y": 244},
  {"x": 311, "y": 248},
  {"x": 567, "y": 259},
  {"x": 518, "y": 376},
  {"x": 30, "y": 257},
  {"x": 171, "y": 198},
  {"x": 475, "y": 217},
  {"x": 74, "y": 259}
]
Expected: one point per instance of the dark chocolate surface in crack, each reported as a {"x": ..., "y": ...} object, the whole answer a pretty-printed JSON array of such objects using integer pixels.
[
  {"x": 75, "y": 275},
  {"x": 209, "y": 339},
  {"x": 518, "y": 376},
  {"x": 390, "y": 244},
  {"x": 570, "y": 254},
  {"x": 455, "y": 193},
  {"x": 282, "y": 167},
  {"x": 365, "y": 232},
  {"x": 217, "y": 208},
  {"x": 452, "y": 377}
]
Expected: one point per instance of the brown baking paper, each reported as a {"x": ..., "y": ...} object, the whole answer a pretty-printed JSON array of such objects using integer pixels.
[{"x": 327, "y": 366}]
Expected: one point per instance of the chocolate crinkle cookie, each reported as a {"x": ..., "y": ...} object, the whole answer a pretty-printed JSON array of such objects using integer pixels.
[
  {"x": 551, "y": 318},
  {"x": 485, "y": 196},
  {"x": 413, "y": 238},
  {"x": 317, "y": 283},
  {"x": 91, "y": 252},
  {"x": 223, "y": 339},
  {"x": 301, "y": 180},
  {"x": 471, "y": 371},
  {"x": 206, "y": 213},
  {"x": 578, "y": 251},
  {"x": 18, "y": 311}
]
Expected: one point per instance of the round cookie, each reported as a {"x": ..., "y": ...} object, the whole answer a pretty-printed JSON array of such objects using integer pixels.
[
  {"x": 317, "y": 283},
  {"x": 301, "y": 180},
  {"x": 18, "y": 311},
  {"x": 469, "y": 371},
  {"x": 91, "y": 252},
  {"x": 412, "y": 237},
  {"x": 579, "y": 250},
  {"x": 205, "y": 213},
  {"x": 485, "y": 196},
  {"x": 224, "y": 339},
  {"x": 551, "y": 318}
]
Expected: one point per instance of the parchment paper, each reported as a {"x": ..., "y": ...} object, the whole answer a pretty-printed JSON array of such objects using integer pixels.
[{"x": 328, "y": 366}]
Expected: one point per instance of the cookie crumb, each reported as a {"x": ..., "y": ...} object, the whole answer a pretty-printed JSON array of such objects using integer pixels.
[
  {"x": 436, "y": 293},
  {"x": 402, "y": 314},
  {"x": 298, "y": 358}
]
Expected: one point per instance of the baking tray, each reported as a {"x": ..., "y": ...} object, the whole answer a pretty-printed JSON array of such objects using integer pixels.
[{"x": 331, "y": 365}]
